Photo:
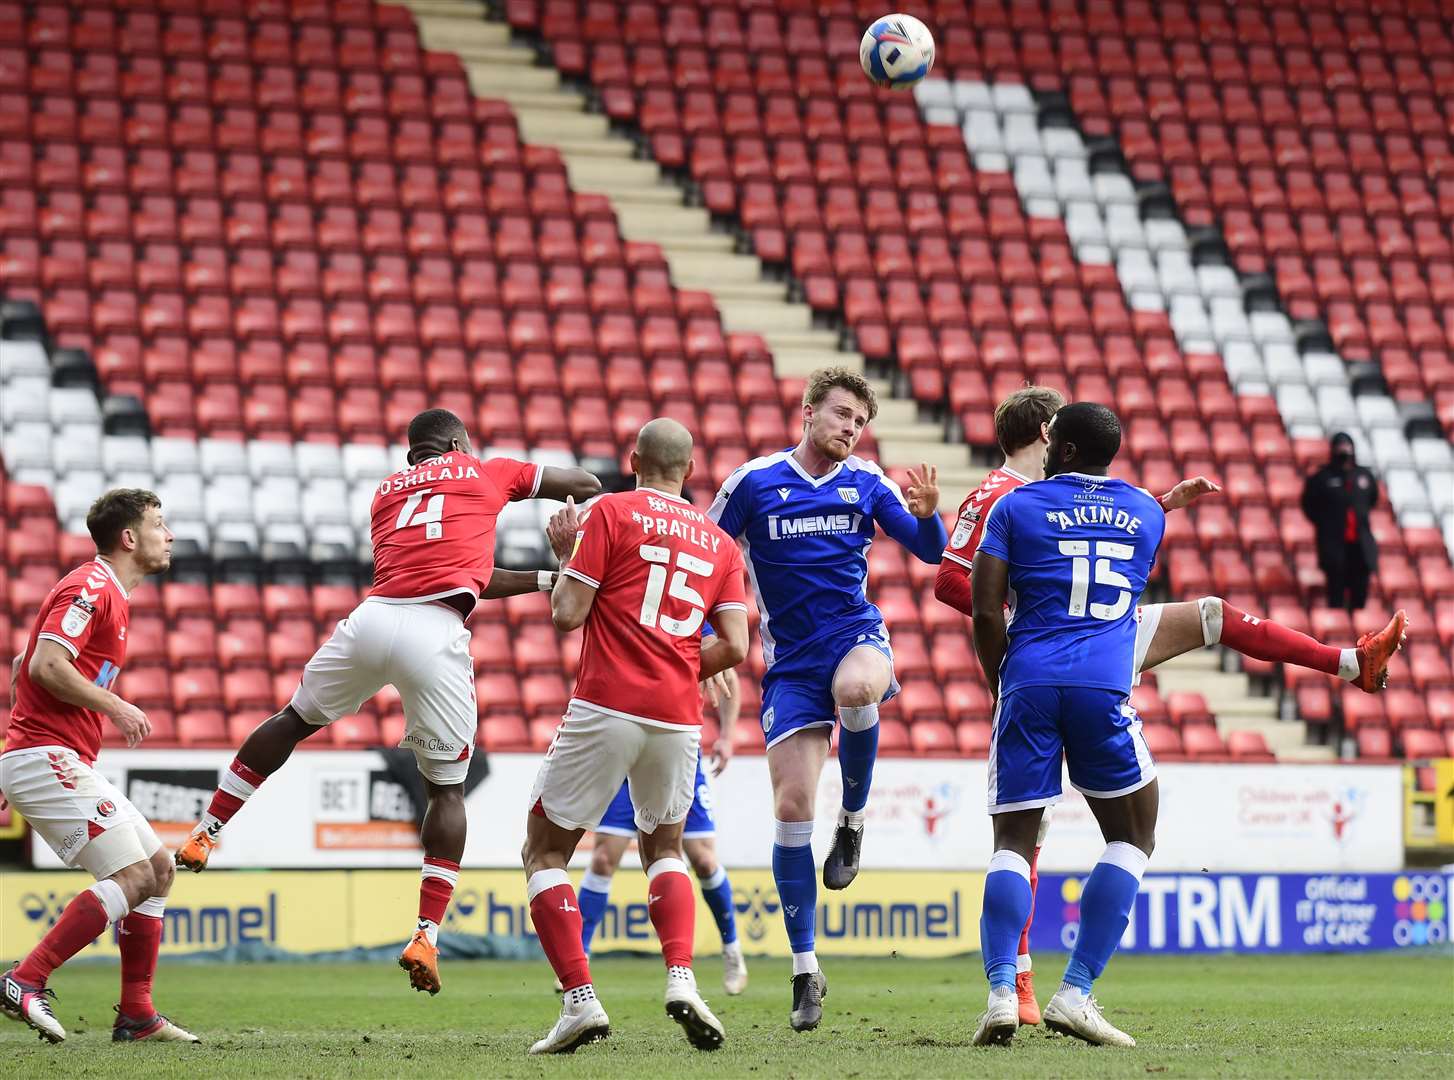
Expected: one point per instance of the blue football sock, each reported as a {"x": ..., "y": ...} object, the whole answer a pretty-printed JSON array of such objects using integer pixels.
[
  {"x": 857, "y": 751},
  {"x": 592, "y": 896},
  {"x": 797, "y": 881},
  {"x": 1105, "y": 909},
  {"x": 1007, "y": 900},
  {"x": 717, "y": 891}
]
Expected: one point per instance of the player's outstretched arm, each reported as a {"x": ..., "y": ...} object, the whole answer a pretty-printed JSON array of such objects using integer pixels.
[
  {"x": 51, "y": 669},
  {"x": 562, "y": 484},
  {"x": 991, "y": 586},
  {"x": 729, "y": 708},
  {"x": 918, "y": 527},
  {"x": 505, "y": 583},
  {"x": 1188, "y": 492},
  {"x": 729, "y": 647}
]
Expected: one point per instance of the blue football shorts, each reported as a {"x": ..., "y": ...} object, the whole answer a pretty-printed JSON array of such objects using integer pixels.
[
  {"x": 1096, "y": 730},
  {"x": 797, "y": 693},
  {"x": 620, "y": 818}
]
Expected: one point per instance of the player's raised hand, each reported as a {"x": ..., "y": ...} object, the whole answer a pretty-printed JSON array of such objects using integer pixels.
[
  {"x": 130, "y": 721},
  {"x": 923, "y": 493},
  {"x": 1188, "y": 492},
  {"x": 561, "y": 530}
]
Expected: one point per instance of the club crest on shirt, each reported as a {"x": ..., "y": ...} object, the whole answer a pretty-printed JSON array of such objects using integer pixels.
[
  {"x": 848, "y": 494},
  {"x": 967, "y": 521},
  {"x": 77, "y": 616}
]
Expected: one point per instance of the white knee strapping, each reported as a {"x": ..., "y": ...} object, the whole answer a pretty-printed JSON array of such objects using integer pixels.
[
  {"x": 858, "y": 717},
  {"x": 1013, "y": 861},
  {"x": 112, "y": 899},
  {"x": 155, "y": 906},
  {"x": 1209, "y": 610},
  {"x": 793, "y": 833},
  {"x": 1128, "y": 857},
  {"x": 542, "y": 880}
]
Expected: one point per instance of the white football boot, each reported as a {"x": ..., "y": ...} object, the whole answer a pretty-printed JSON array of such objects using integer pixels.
[
  {"x": 686, "y": 1007},
  {"x": 582, "y": 1020},
  {"x": 29, "y": 1004},
  {"x": 734, "y": 969},
  {"x": 1000, "y": 1021},
  {"x": 1083, "y": 1021}
]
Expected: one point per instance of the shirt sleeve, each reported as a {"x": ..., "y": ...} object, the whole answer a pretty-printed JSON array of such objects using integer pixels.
[
  {"x": 997, "y": 532},
  {"x": 732, "y": 595},
  {"x": 517, "y": 479},
  {"x": 924, "y": 537},
  {"x": 592, "y": 554},
  {"x": 952, "y": 585},
  {"x": 729, "y": 508},
  {"x": 75, "y": 612}
]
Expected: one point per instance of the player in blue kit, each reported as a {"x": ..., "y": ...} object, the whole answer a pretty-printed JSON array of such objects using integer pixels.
[
  {"x": 1070, "y": 555},
  {"x": 806, "y": 517},
  {"x": 699, "y": 842}
]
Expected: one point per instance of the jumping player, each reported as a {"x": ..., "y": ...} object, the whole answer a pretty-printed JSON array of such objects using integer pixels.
[
  {"x": 1163, "y": 631},
  {"x": 806, "y": 517},
  {"x": 646, "y": 572},
  {"x": 434, "y": 542},
  {"x": 1071, "y": 555},
  {"x": 699, "y": 841},
  {"x": 62, "y": 696}
]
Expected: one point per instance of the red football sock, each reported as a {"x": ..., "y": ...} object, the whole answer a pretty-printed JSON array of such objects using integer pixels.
[
  {"x": 1034, "y": 884},
  {"x": 239, "y": 783},
  {"x": 1263, "y": 639},
  {"x": 672, "y": 904},
  {"x": 557, "y": 918},
  {"x": 436, "y": 885},
  {"x": 82, "y": 922},
  {"x": 140, "y": 939}
]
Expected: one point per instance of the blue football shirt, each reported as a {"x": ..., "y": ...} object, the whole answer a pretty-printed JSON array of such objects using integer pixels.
[
  {"x": 806, "y": 541},
  {"x": 1080, "y": 549}
]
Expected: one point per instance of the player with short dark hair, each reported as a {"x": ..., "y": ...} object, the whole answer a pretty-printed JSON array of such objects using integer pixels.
[
  {"x": 642, "y": 572},
  {"x": 1071, "y": 555},
  {"x": 61, "y": 693},
  {"x": 433, "y": 528},
  {"x": 1163, "y": 631},
  {"x": 806, "y": 517}
]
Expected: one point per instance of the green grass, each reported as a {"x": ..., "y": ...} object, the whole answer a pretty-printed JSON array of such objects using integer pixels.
[{"x": 1324, "y": 1016}]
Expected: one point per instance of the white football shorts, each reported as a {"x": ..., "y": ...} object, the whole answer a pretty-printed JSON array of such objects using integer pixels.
[
  {"x": 1148, "y": 618},
  {"x": 423, "y": 651},
  {"x": 84, "y": 817},
  {"x": 594, "y": 749}
]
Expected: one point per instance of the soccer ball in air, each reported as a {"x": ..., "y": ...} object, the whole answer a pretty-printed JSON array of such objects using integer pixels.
[{"x": 896, "y": 51}]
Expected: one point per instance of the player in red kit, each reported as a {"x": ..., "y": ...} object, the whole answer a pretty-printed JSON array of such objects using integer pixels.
[
  {"x": 1163, "y": 631},
  {"x": 433, "y": 527},
  {"x": 61, "y": 688},
  {"x": 646, "y": 572}
]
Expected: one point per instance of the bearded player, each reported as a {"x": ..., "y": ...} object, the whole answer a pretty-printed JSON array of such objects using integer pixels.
[
  {"x": 646, "y": 572},
  {"x": 806, "y": 517},
  {"x": 434, "y": 543},
  {"x": 699, "y": 841},
  {"x": 1163, "y": 631},
  {"x": 62, "y": 698}
]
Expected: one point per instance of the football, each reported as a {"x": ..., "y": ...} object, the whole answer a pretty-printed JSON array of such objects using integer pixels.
[{"x": 896, "y": 51}]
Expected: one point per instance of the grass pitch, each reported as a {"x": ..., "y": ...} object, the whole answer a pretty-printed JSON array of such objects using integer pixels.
[{"x": 1325, "y": 1016}]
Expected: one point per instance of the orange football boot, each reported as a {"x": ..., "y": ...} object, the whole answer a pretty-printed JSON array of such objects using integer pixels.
[
  {"x": 193, "y": 855},
  {"x": 1025, "y": 991},
  {"x": 421, "y": 960},
  {"x": 1375, "y": 651}
]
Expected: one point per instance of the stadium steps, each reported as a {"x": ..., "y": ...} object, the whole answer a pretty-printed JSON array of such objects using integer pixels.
[
  {"x": 651, "y": 208},
  {"x": 1236, "y": 708}
]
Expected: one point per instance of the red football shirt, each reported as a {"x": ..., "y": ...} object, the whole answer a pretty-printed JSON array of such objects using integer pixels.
[
  {"x": 87, "y": 614},
  {"x": 952, "y": 583},
  {"x": 433, "y": 525},
  {"x": 659, "y": 568}
]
